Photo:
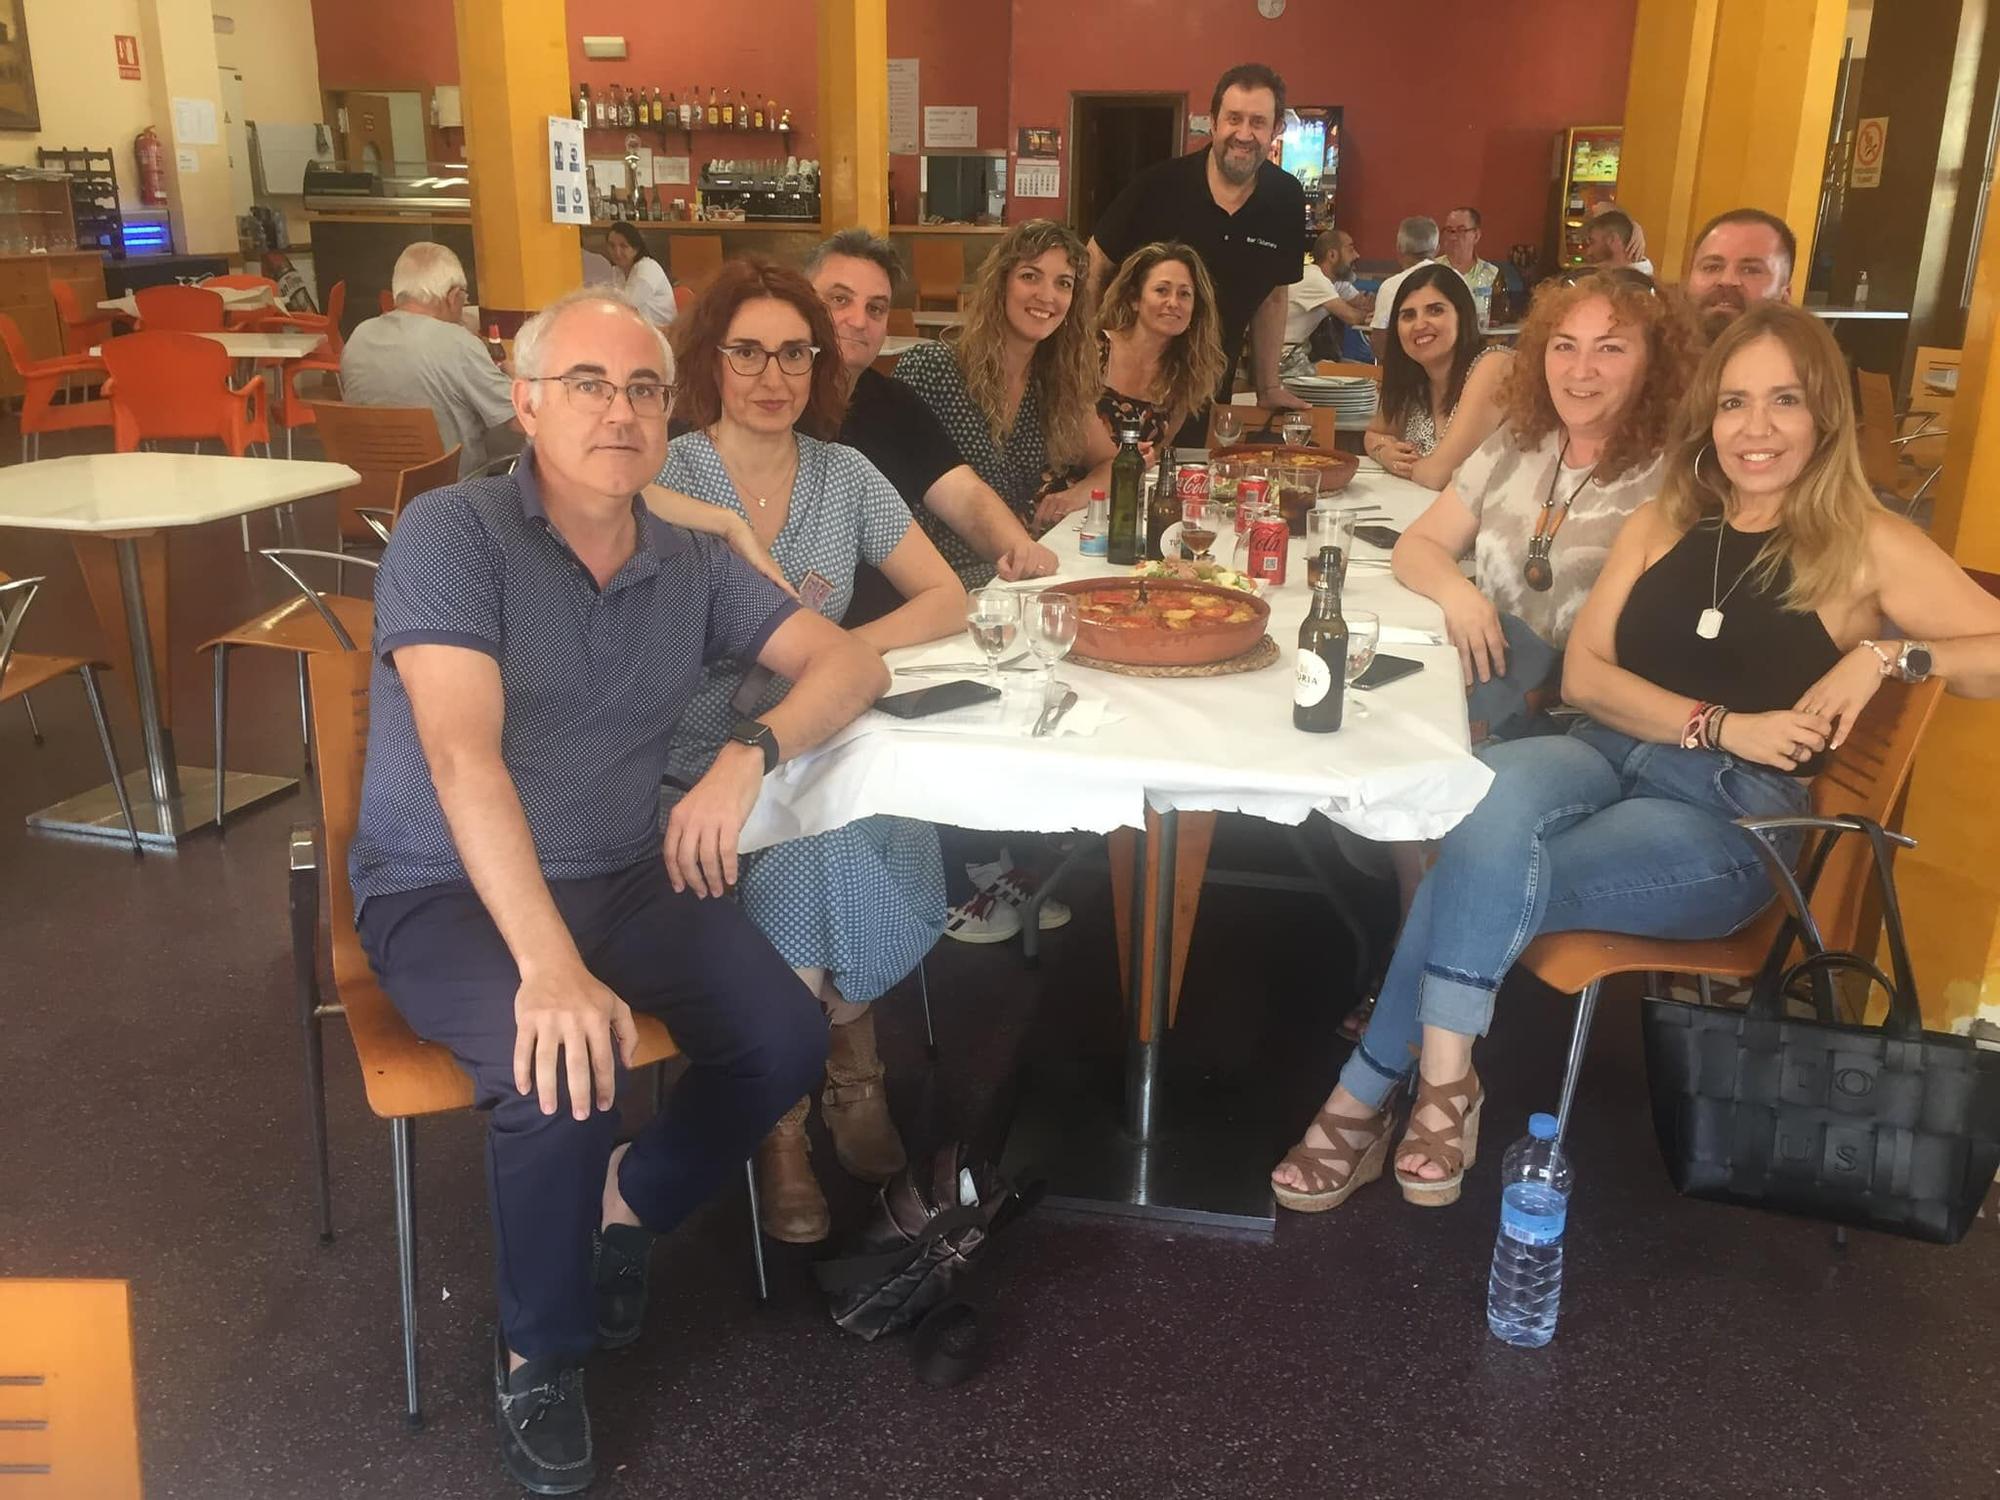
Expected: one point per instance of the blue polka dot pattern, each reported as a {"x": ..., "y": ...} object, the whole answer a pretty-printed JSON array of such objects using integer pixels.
[
  {"x": 864, "y": 901},
  {"x": 594, "y": 680}
]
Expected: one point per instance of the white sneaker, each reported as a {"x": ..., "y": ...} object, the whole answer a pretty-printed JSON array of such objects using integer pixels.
[
  {"x": 984, "y": 918},
  {"x": 1016, "y": 888}
]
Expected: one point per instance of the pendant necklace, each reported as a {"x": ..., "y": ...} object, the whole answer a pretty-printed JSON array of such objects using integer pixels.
[
  {"x": 1709, "y": 625},
  {"x": 1540, "y": 576}
]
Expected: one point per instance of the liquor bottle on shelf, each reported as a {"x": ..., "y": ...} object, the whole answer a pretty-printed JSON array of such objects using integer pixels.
[
  {"x": 728, "y": 111},
  {"x": 614, "y": 114},
  {"x": 659, "y": 109},
  {"x": 742, "y": 111},
  {"x": 688, "y": 107},
  {"x": 771, "y": 113},
  {"x": 631, "y": 113},
  {"x": 786, "y": 123},
  {"x": 1319, "y": 679},
  {"x": 758, "y": 122},
  {"x": 714, "y": 109},
  {"x": 583, "y": 103},
  {"x": 600, "y": 108}
]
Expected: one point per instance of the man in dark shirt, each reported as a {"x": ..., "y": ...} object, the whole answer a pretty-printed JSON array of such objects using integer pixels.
[
  {"x": 855, "y": 273},
  {"x": 1245, "y": 217}
]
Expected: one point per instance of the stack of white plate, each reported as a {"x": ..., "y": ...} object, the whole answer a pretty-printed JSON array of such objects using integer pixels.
[{"x": 1352, "y": 397}]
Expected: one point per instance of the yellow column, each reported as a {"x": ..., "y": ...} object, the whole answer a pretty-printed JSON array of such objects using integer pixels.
[
  {"x": 1728, "y": 106},
  {"x": 854, "y": 113},
  {"x": 513, "y": 70},
  {"x": 177, "y": 42},
  {"x": 1950, "y": 883}
]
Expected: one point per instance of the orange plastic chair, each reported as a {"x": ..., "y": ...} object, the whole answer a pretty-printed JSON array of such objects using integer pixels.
[
  {"x": 386, "y": 300},
  {"x": 253, "y": 318},
  {"x": 41, "y": 379},
  {"x": 168, "y": 386},
  {"x": 684, "y": 299},
  {"x": 179, "y": 309},
  {"x": 326, "y": 323},
  {"x": 83, "y": 328}
]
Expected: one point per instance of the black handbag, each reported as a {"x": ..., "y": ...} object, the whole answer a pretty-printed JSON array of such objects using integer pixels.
[
  {"x": 1886, "y": 1127},
  {"x": 906, "y": 1267}
]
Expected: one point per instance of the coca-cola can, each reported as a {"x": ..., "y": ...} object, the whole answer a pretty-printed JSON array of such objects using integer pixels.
[
  {"x": 1191, "y": 484},
  {"x": 1270, "y": 545},
  {"x": 1252, "y": 490}
]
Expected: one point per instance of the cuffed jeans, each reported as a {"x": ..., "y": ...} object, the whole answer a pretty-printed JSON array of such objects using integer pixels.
[
  {"x": 754, "y": 1038},
  {"x": 1591, "y": 831}
]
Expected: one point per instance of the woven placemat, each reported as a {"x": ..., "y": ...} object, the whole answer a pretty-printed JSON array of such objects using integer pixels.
[{"x": 1258, "y": 657}]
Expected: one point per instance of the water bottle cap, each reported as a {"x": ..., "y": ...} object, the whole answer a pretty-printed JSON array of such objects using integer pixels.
[{"x": 1542, "y": 1127}]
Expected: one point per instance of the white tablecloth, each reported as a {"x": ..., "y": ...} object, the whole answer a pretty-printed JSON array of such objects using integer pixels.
[{"x": 1192, "y": 744}]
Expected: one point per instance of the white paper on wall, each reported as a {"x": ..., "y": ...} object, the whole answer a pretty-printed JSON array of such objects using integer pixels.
[
  {"x": 951, "y": 125},
  {"x": 902, "y": 106}
]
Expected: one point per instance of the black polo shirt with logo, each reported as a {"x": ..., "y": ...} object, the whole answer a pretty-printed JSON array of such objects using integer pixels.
[{"x": 1249, "y": 252}]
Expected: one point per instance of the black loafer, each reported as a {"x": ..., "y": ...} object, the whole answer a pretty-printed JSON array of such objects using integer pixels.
[
  {"x": 619, "y": 1257},
  {"x": 544, "y": 1426}
]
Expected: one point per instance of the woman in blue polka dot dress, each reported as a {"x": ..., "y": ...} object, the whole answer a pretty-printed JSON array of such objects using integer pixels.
[{"x": 853, "y": 910}]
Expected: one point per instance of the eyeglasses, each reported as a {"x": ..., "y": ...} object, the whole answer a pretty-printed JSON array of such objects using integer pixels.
[
  {"x": 750, "y": 359},
  {"x": 594, "y": 394},
  {"x": 1626, "y": 276}
]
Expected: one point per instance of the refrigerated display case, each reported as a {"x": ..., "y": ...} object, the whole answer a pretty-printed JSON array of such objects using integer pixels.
[{"x": 1585, "y": 179}]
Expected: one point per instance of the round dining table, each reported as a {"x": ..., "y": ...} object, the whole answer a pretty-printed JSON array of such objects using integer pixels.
[
  {"x": 234, "y": 299},
  {"x": 1152, "y": 762},
  {"x": 117, "y": 509}
]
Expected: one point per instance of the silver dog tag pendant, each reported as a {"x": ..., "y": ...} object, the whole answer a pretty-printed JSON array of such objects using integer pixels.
[{"x": 1709, "y": 626}]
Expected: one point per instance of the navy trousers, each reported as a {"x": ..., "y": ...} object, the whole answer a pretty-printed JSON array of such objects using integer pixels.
[{"x": 754, "y": 1038}]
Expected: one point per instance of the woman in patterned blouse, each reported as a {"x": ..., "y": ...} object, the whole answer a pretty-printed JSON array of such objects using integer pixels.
[
  {"x": 1159, "y": 335},
  {"x": 1440, "y": 389}
]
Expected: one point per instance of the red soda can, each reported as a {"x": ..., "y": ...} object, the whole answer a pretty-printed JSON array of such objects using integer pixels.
[
  {"x": 1270, "y": 544},
  {"x": 1191, "y": 485},
  {"x": 1251, "y": 490}
]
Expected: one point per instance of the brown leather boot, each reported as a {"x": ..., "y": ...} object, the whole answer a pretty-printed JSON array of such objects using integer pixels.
[
  {"x": 855, "y": 1106},
  {"x": 789, "y": 1201}
]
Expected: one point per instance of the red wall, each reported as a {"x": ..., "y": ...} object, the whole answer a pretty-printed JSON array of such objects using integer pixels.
[
  {"x": 1454, "y": 102},
  {"x": 961, "y": 48}
]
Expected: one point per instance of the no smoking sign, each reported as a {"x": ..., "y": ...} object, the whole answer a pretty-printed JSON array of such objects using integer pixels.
[{"x": 1871, "y": 137}]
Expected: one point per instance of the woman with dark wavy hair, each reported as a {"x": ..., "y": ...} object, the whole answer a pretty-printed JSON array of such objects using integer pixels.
[
  {"x": 853, "y": 910},
  {"x": 1441, "y": 386},
  {"x": 1159, "y": 336}
]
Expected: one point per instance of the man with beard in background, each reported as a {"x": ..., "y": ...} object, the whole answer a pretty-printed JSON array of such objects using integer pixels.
[{"x": 1740, "y": 257}]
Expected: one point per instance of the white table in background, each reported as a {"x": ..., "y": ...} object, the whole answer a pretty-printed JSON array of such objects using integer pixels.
[
  {"x": 259, "y": 347},
  {"x": 234, "y": 299},
  {"x": 896, "y": 345},
  {"x": 1400, "y": 771},
  {"x": 934, "y": 318},
  {"x": 1859, "y": 314},
  {"x": 123, "y": 503}
]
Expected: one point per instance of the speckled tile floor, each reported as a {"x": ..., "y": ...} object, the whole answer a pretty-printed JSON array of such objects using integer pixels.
[{"x": 150, "y": 1106}]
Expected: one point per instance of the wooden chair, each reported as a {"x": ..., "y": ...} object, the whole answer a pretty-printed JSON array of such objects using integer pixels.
[
  {"x": 1882, "y": 441},
  {"x": 1260, "y": 424},
  {"x": 684, "y": 300},
  {"x": 22, "y": 672},
  {"x": 314, "y": 621},
  {"x": 1931, "y": 409},
  {"x": 378, "y": 443},
  {"x": 940, "y": 271},
  {"x": 697, "y": 259},
  {"x": 1340, "y": 367},
  {"x": 1866, "y": 776},
  {"x": 903, "y": 322},
  {"x": 69, "y": 1417},
  {"x": 179, "y": 309}
]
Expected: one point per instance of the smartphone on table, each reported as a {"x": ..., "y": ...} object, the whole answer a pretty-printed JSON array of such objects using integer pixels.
[
  {"x": 1386, "y": 669},
  {"x": 941, "y": 698}
]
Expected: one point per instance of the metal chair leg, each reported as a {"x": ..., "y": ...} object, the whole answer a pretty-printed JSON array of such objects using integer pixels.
[
  {"x": 756, "y": 1234},
  {"x": 402, "y": 1145},
  {"x": 1705, "y": 987},
  {"x": 1031, "y": 914},
  {"x": 34, "y": 724},
  {"x": 305, "y": 712},
  {"x": 924, "y": 993},
  {"x": 221, "y": 730},
  {"x": 1579, "y": 1040},
  {"x": 90, "y": 690},
  {"x": 304, "y": 904}
]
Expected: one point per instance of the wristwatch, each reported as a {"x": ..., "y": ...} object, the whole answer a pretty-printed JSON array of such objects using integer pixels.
[
  {"x": 755, "y": 732},
  {"x": 1913, "y": 662}
]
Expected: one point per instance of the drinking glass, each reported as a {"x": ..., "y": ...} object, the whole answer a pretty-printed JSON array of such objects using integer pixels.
[
  {"x": 1198, "y": 528},
  {"x": 1364, "y": 633},
  {"x": 1228, "y": 425},
  {"x": 993, "y": 616},
  {"x": 1296, "y": 492},
  {"x": 1296, "y": 428},
  {"x": 1051, "y": 620},
  {"x": 1326, "y": 527}
]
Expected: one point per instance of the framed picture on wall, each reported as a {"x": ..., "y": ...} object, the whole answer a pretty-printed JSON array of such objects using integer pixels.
[{"x": 18, "y": 107}]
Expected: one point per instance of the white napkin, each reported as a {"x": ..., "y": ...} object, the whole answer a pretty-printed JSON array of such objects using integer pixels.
[{"x": 1408, "y": 635}]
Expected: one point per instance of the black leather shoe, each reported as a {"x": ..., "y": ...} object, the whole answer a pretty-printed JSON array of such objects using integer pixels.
[
  {"x": 619, "y": 1256},
  {"x": 544, "y": 1426}
]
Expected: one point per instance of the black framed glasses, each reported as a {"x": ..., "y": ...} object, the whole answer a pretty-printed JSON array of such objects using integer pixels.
[
  {"x": 594, "y": 394},
  {"x": 750, "y": 359}
]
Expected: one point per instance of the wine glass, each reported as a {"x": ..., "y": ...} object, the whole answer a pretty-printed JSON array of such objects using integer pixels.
[
  {"x": 1198, "y": 528},
  {"x": 993, "y": 616},
  {"x": 1296, "y": 429},
  {"x": 1051, "y": 620},
  {"x": 1364, "y": 633},
  {"x": 1228, "y": 425}
]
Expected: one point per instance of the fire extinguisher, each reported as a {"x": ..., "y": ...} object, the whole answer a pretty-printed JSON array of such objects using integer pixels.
[{"x": 152, "y": 168}]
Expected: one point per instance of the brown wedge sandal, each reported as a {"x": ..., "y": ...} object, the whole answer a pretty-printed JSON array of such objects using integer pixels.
[
  {"x": 1455, "y": 1147},
  {"x": 1333, "y": 1173}
]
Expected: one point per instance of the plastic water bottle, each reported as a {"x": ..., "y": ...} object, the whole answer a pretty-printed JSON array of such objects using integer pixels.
[{"x": 1524, "y": 1291}]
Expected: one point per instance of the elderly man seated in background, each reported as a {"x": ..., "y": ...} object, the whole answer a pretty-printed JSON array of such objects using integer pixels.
[
  {"x": 1416, "y": 245},
  {"x": 1460, "y": 237},
  {"x": 1740, "y": 257},
  {"x": 1326, "y": 293},
  {"x": 855, "y": 273},
  {"x": 422, "y": 354}
]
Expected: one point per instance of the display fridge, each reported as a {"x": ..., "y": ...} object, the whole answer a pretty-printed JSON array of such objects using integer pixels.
[{"x": 1585, "y": 179}]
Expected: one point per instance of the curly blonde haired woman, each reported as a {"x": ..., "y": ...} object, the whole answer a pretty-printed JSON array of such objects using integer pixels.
[
  {"x": 1733, "y": 636},
  {"x": 1015, "y": 384},
  {"x": 1159, "y": 334}
]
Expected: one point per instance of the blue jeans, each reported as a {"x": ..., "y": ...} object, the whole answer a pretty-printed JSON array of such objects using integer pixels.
[
  {"x": 1501, "y": 703},
  {"x": 1590, "y": 831}
]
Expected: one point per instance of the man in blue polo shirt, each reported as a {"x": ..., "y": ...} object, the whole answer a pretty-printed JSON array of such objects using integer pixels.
[{"x": 537, "y": 637}]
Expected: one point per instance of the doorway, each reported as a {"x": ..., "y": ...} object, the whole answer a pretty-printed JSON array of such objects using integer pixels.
[{"x": 1113, "y": 137}]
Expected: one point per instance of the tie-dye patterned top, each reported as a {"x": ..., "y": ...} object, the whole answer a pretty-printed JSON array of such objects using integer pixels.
[{"x": 1504, "y": 486}]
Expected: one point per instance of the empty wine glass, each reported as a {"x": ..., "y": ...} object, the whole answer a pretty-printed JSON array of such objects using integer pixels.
[
  {"x": 1364, "y": 633},
  {"x": 1051, "y": 620},
  {"x": 1228, "y": 425},
  {"x": 993, "y": 616},
  {"x": 1296, "y": 428}
]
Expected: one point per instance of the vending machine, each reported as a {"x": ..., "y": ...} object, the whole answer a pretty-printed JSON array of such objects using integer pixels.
[
  {"x": 1585, "y": 178},
  {"x": 1310, "y": 150}
]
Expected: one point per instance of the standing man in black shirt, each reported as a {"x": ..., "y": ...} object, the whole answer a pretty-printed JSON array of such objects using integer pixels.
[
  {"x": 1244, "y": 216},
  {"x": 854, "y": 273}
]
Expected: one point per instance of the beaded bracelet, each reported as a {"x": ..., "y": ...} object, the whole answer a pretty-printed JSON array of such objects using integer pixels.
[{"x": 1691, "y": 731}]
